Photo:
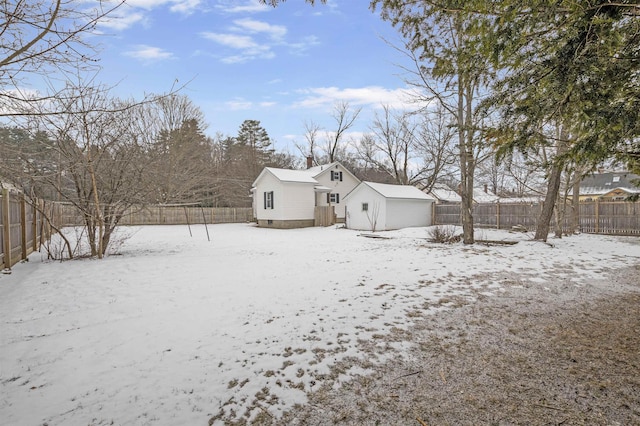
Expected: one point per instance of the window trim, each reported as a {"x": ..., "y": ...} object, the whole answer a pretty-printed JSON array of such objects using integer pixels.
[{"x": 268, "y": 200}]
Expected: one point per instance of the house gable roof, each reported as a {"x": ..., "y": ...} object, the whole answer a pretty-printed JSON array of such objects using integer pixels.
[
  {"x": 444, "y": 193},
  {"x": 602, "y": 183},
  {"x": 405, "y": 192},
  {"x": 302, "y": 176},
  {"x": 287, "y": 175},
  {"x": 324, "y": 168}
]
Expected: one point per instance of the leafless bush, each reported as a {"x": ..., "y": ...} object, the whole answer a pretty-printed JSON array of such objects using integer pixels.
[{"x": 443, "y": 234}]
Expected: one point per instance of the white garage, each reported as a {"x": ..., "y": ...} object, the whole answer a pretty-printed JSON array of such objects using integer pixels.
[{"x": 382, "y": 207}]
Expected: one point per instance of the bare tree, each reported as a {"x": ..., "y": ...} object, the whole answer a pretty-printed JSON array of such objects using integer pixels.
[
  {"x": 344, "y": 117},
  {"x": 308, "y": 149},
  {"x": 446, "y": 72},
  {"x": 435, "y": 147},
  {"x": 391, "y": 145},
  {"x": 44, "y": 36},
  {"x": 171, "y": 128},
  {"x": 372, "y": 215},
  {"x": 99, "y": 163}
]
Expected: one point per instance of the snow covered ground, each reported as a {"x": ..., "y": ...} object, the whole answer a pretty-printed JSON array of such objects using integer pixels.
[{"x": 174, "y": 328}]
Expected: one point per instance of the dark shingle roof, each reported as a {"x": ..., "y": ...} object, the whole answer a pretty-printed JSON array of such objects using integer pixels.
[{"x": 601, "y": 183}]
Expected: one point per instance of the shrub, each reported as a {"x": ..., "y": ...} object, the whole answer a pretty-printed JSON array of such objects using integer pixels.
[{"x": 443, "y": 234}]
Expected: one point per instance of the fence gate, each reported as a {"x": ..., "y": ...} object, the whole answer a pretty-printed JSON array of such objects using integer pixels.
[{"x": 324, "y": 216}]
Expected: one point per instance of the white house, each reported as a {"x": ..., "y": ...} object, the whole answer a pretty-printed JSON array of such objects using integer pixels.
[
  {"x": 284, "y": 198},
  {"x": 378, "y": 207}
]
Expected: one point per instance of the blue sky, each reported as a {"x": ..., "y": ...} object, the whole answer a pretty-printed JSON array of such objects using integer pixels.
[{"x": 243, "y": 60}]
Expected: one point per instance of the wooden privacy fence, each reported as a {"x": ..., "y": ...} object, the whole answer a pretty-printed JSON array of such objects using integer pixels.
[
  {"x": 597, "y": 217},
  {"x": 168, "y": 215},
  {"x": 324, "y": 216},
  {"x": 22, "y": 227}
]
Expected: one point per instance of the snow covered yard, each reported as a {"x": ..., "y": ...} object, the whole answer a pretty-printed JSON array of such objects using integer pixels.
[{"x": 177, "y": 330}]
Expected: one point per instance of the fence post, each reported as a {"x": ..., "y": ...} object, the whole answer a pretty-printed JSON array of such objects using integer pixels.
[
  {"x": 597, "y": 208},
  {"x": 6, "y": 225},
  {"x": 34, "y": 226},
  {"x": 23, "y": 226},
  {"x": 498, "y": 215},
  {"x": 433, "y": 213}
]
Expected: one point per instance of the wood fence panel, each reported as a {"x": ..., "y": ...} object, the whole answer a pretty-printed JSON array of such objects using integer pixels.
[
  {"x": 169, "y": 215},
  {"x": 615, "y": 217},
  {"x": 447, "y": 214},
  {"x": 5, "y": 244},
  {"x": 19, "y": 225},
  {"x": 486, "y": 215},
  {"x": 324, "y": 215}
]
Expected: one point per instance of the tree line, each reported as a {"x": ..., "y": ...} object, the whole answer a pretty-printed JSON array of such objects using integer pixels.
[
  {"x": 554, "y": 79},
  {"x": 512, "y": 90}
]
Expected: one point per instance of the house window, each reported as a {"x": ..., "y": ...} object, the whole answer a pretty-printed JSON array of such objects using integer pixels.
[
  {"x": 365, "y": 207},
  {"x": 268, "y": 200},
  {"x": 336, "y": 176},
  {"x": 333, "y": 198}
]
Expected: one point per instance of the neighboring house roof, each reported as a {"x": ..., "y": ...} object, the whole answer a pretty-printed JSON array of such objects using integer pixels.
[
  {"x": 444, "y": 193},
  {"x": 602, "y": 183},
  {"x": 535, "y": 199},
  {"x": 11, "y": 188},
  {"x": 406, "y": 192},
  {"x": 482, "y": 196}
]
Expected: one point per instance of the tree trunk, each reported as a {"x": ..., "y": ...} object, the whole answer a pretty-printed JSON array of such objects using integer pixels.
[
  {"x": 575, "y": 204},
  {"x": 544, "y": 220},
  {"x": 555, "y": 177},
  {"x": 467, "y": 159},
  {"x": 561, "y": 210}
]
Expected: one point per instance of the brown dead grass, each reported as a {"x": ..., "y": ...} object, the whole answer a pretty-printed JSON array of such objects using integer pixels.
[{"x": 565, "y": 355}]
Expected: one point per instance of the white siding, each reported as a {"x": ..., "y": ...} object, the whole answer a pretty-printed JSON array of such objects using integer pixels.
[
  {"x": 362, "y": 220},
  {"x": 266, "y": 184},
  {"x": 388, "y": 213},
  {"x": 298, "y": 200},
  {"x": 344, "y": 187},
  {"x": 291, "y": 200},
  {"x": 407, "y": 213}
]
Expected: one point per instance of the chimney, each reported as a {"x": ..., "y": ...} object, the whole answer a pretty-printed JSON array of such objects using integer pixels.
[
  {"x": 309, "y": 162},
  {"x": 486, "y": 188}
]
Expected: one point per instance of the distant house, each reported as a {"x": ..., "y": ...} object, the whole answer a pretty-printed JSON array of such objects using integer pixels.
[
  {"x": 284, "y": 198},
  {"x": 378, "y": 207},
  {"x": 610, "y": 186},
  {"x": 483, "y": 195},
  {"x": 445, "y": 195}
]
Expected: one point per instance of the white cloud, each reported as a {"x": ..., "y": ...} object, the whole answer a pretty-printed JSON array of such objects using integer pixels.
[
  {"x": 119, "y": 21},
  {"x": 180, "y": 6},
  {"x": 136, "y": 11},
  {"x": 246, "y": 46},
  {"x": 239, "y": 104},
  {"x": 234, "y": 41},
  {"x": 323, "y": 97},
  {"x": 302, "y": 46},
  {"x": 250, "y": 6},
  {"x": 185, "y": 7},
  {"x": 149, "y": 53},
  {"x": 276, "y": 32}
]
